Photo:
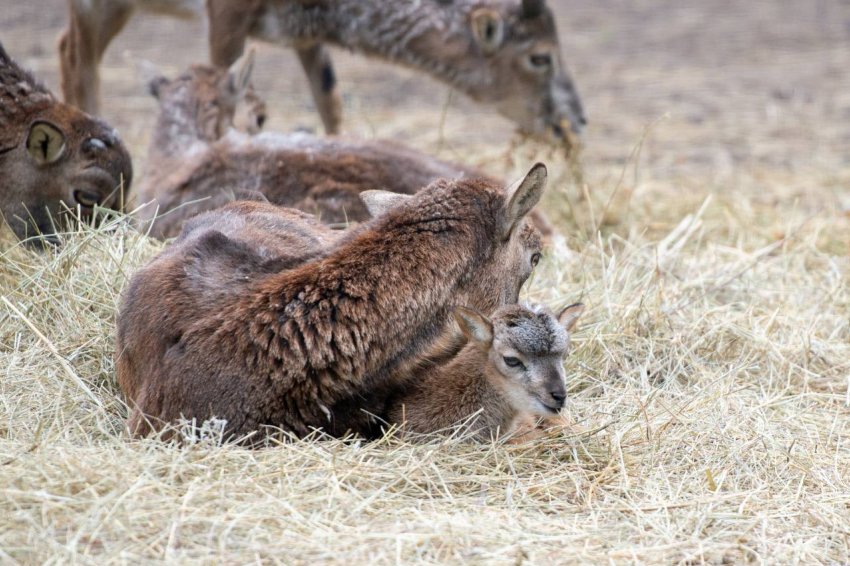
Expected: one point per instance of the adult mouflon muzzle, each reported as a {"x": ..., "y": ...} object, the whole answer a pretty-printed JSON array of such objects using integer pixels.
[{"x": 567, "y": 111}]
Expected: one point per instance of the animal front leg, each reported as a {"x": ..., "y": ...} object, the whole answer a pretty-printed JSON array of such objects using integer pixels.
[
  {"x": 230, "y": 22},
  {"x": 318, "y": 66},
  {"x": 91, "y": 27}
]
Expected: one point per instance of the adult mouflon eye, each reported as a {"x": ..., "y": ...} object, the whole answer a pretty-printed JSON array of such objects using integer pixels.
[
  {"x": 513, "y": 362},
  {"x": 87, "y": 199},
  {"x": 539, "y": 61},
  {"x": 260, "y": 121},
  {"x": 535, "y": 259}
]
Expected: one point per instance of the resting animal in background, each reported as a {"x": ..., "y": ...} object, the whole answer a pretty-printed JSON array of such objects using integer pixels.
[
  {"x": 190, "y": 171},
  {"x": 221, "y": 325},
  {"x": 52, "y": 153},
  {"x": 511, "y": 370},
  {"x": 501, "y": 53}
]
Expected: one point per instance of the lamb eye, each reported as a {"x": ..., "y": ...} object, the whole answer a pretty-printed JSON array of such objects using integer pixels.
[
  {"x": 535, "y": 259},
  {"x": 540, "y": 61},
  {"x": 87, "y": 199},
  {"x": 512, "y": 362}
]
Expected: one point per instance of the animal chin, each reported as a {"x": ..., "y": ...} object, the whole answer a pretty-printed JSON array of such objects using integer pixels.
[{"x": 544, "y": 409}]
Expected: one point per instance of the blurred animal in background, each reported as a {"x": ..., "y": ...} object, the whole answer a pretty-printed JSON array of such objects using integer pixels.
[
  {"x": 192, "y": 168},
  {"x": 511, "y": 370},
  {"x": 230, "y": 325},
  {"x": 53, "y": 154},
  {"x": 501, "y": 53},
  {"x": 202, "y": 105}
]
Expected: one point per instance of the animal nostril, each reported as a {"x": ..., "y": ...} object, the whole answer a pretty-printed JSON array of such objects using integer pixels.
[
  {"x": 558, "y": 396},
  {"x": 558, "y": 131},
  {"x": 94, "y": 145}
]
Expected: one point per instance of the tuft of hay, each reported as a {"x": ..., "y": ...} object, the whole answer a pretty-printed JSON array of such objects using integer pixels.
[
  {"x": 709, "y": 382},
  {"x": 709, "y": 393}
]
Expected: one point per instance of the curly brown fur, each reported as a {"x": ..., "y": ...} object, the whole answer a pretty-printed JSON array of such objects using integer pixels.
[{"x": 212, "y": 327}]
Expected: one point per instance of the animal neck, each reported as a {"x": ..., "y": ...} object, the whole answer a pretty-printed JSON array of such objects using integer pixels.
[
  {"x": 378, "y": 301},
  {"x": 427, "y": 35},
  {"x": 477, "y": 385}
]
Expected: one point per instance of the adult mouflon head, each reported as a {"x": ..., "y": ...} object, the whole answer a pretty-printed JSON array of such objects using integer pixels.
[
  {"x": 525, "y": 350},
  {"x": 51, "y": 155},
  {"x": 518, "y": 67}
]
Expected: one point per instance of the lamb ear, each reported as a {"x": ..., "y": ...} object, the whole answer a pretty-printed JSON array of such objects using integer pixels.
[
  {"x": 240, "y": 72},
  {"x": 148, "y": 74},
  {"x": 156, "y": 85},
  {"x": 381, "y": 202},
  {"x": 570, "y": 315},
  {"x": 523, "y": 196},
  {"x": 475, "y": 326}
]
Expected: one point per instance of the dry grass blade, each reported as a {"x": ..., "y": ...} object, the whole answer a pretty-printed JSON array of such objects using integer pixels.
[
  {"x": 710, "y": 410},
  {"x": 709, "y": 384},
  {"x": 49, "y": 345}
]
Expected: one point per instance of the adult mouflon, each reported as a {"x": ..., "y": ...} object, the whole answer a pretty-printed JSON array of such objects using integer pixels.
[
  {"x": 220, "y": 325},
  {"x": 511, "y": 370},
  {"x": 504, "y": 54},
  {"x": 51, "y": 155}
]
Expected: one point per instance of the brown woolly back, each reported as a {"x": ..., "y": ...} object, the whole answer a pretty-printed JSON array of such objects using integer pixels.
[{"x": 303, "y": 330}]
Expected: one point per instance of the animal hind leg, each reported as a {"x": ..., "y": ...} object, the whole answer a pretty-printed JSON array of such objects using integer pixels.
[
  {"x": 318, "y": 66},
  {"x": 92, "y": 25}
]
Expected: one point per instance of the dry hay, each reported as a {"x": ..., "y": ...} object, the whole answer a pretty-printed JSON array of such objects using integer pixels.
[{"x": 709, "y": 391}]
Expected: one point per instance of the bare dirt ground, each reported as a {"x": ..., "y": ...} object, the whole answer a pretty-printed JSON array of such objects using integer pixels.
[
  {"x": 730, "y": 86},
  {"x": 706, "y": 225}
]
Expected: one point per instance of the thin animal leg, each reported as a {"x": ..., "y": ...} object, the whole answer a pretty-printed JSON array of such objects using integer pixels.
[
  {"x": 91, "y": 27},
  {"x": 229, "y": 23},
  {"x": 318, "y": 66}
]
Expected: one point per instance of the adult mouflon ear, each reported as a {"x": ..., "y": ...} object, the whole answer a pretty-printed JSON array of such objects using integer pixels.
[
  {"x": 570, "y": 315},
  {"x": 523, "y": 196},
  {"x": 240, "y": 72},
  {"x": 475, "y": 326},
  {"x": 381, "y": 202},
  {"x": 488, "y": 29},
  {"x": 45, "y": 143}
]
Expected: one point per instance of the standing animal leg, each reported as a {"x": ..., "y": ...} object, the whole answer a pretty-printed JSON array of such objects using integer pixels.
[
  {"x": 317, "y": 63},
  {"x": 230, "y": 22},
  {"x": 92, "y": 25}
]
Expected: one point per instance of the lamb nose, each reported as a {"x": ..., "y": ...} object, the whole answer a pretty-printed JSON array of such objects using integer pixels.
[{"x": 557, "y": 396}]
